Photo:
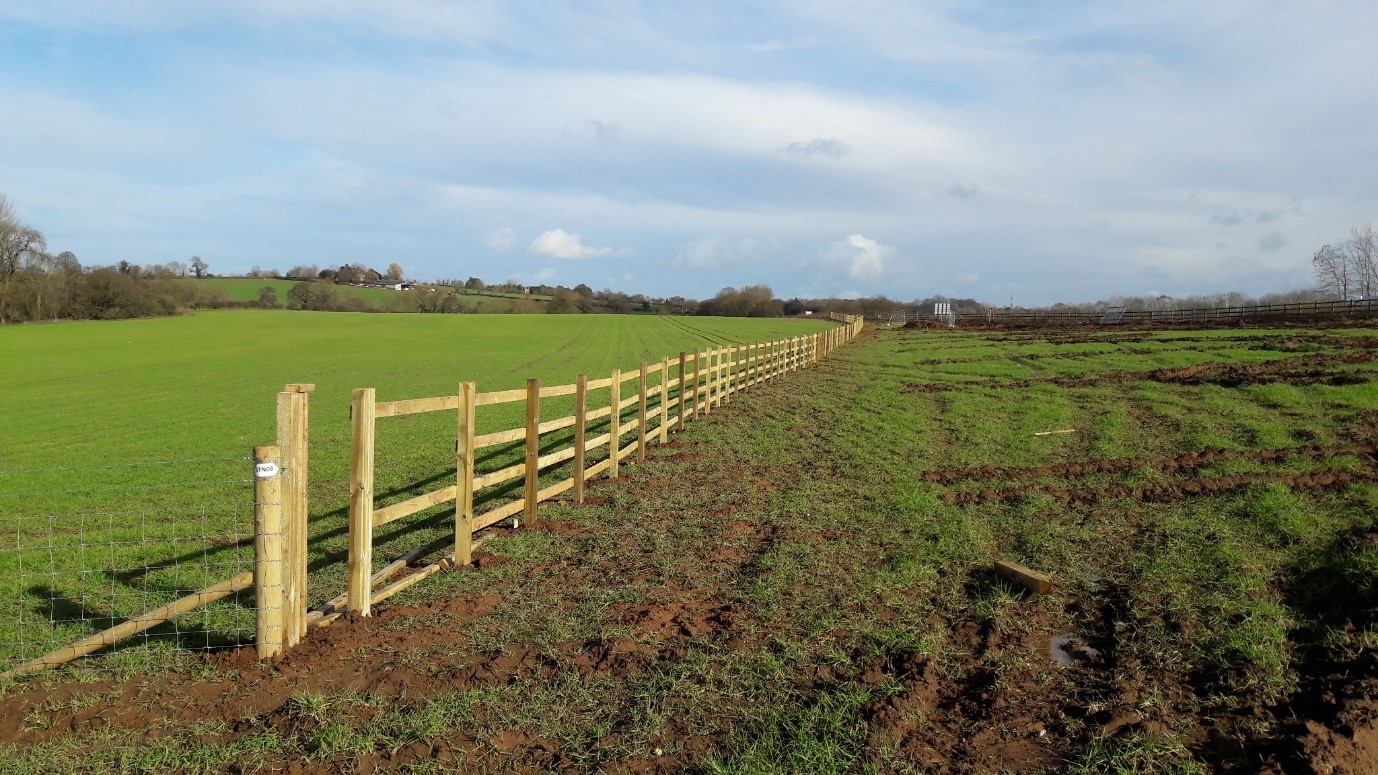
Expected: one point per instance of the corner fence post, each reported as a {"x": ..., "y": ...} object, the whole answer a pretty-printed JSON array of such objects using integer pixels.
[
  {"x": 464, "y": 475},
  {"x": 268, "y": 550},
  {"x": 533, "y": 446},
  {"x": 362, "y": 420},
  {"x": 293, "y": 437},
  {"x": 581, "y": 406}
]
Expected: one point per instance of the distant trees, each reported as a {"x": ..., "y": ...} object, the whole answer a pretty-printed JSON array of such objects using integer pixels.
[
  {"x": 314, "y": 295},
  {"x": 1349, "y": 270},
  {"x": 752, "y": 301},
  {"x": 394, "y": 274},
  {"x": 199, "y": 267}
]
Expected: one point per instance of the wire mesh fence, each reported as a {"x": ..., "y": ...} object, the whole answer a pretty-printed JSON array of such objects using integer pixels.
[{"x": 87, "y": 548}]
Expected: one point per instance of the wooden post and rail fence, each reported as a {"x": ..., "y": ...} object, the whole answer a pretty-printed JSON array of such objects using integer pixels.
[{"x": 662, "y": 395}]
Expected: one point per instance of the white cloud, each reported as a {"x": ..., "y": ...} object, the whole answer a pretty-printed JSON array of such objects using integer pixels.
[
  {"x": 546, "y": 275},
  {"x": 558, "y": 243},
  {"x": 502, "y": 240},
  {"x": 862, "y": 257}
]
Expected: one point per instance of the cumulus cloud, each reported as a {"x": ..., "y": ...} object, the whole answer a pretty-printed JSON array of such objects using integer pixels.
[
  {"x": 830, "y": 147},
  {"x": 716, "y": 251},
  {"x": 502, "y": 240},
  {"x": 558, "y": 243},
  {"x": 863, "y": 258}
]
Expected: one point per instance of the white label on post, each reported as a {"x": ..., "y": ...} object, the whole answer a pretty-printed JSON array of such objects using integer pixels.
[{"x": 265, "y": 470}]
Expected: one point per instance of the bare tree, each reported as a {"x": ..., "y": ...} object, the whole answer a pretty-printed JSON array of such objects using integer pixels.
[
  {"x": 1349, "y": 269},
  {"x": 1332, "y": 271},
  {"x": 1362, "y": 248},
  {"x": 198, "y": 266},
  {"x": 394, "y": 272},
  {"x": 18, "y": 244}
]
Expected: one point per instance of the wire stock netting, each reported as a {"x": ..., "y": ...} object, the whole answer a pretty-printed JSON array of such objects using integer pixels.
[{"x": 85, "y": 548}]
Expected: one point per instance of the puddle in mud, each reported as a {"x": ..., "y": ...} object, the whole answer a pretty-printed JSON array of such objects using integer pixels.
[{"x": 1067, "y": 649}]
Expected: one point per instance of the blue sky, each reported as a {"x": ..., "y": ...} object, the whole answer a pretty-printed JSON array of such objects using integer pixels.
[{"x": 1053, "y": 150}]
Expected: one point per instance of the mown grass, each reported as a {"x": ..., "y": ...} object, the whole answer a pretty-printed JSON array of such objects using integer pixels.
[{"x": 124, "y": 477}]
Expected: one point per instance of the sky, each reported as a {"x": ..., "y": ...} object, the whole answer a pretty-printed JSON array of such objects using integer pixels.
[{"x": 1045, "y": 151}]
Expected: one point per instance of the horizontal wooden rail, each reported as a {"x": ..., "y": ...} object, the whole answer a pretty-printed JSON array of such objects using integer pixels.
[
  {"x": 499, "y": 437},
  {"x": 501, "y": 397},
  {"x": 415, "y": 406},
  {"x": 386, "y": 514}
]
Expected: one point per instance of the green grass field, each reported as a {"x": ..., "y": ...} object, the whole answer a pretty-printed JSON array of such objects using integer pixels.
[
  {"x": 126, "y": 442},
  {"x": 803, "y": 582}
]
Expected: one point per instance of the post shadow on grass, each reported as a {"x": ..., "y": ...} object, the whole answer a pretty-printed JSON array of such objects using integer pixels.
[{"x": 57, "y": 608}]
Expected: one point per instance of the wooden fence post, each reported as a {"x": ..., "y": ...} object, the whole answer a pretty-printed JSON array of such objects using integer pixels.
[
  {"x": 464, "y": 475},
  {"x": 581, "y": 405},
  {"x": 727, "y": 377},
  {"x": 362, "y": 421},
  {"x": 694, "y": 404},
  {"x": 664, "y": 398},
  {"x": 615, "y": 424},
  {"x": 679, "y": 424},
  {"x": 268, "y": 545},
  {"x": 641, "y": 430},
  {"x": 293, "y": 424},
  {"x": 709, "y": 374},
  {"x": 533, "y": 445}
]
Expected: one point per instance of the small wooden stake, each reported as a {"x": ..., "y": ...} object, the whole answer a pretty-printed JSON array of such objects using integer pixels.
[{"x": 1032, "y": 580}]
